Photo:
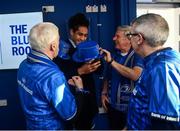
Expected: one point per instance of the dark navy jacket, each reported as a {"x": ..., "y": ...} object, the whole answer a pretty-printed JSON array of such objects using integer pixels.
[{"x": 69, "y": 68}]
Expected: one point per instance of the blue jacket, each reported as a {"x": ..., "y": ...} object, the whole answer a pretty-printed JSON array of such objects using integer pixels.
[
  {"x": 157, "y": 93},
  {"x": 120, "y": 85},
  {"x": 44, "y": 93}
]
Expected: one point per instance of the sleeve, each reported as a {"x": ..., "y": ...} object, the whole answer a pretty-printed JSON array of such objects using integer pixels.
[
  {"x": 164, "y": 93},
  {"x": 138, "y": 61},
  {"x": 66, "y": 104},
  {"x": 62, "y": 99}
]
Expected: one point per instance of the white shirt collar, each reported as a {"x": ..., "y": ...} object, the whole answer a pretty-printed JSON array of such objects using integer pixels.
[
  {"x": 124, "y": 54},
  {"x": 73, "y": 44}
]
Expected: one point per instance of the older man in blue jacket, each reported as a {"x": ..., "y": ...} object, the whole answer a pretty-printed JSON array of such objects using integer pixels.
[{"x": 44, "y": 93}]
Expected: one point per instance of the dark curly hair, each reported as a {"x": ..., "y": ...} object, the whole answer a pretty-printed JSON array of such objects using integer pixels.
[{"x": 78, "y": 20}]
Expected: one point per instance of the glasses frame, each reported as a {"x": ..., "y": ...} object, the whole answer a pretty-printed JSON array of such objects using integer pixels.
[{"x": 130, "y": 35}]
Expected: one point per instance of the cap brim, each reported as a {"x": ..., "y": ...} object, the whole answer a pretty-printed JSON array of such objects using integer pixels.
[{"x": 77, "y": 59}]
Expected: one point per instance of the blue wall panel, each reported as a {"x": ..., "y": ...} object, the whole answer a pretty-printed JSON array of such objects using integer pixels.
[{"x": 11, "y": 116}]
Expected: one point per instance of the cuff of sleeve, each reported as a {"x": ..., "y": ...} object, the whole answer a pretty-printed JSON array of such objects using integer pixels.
[
  {"x": 111, "y": 61},
  {"x": 82, "y": 91}
]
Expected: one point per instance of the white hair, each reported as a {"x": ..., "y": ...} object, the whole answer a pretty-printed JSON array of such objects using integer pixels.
[
  {"x": 125, "y": 28},
  {"x": 153, "y": 27},
  {"x": 42, "y": 34}
]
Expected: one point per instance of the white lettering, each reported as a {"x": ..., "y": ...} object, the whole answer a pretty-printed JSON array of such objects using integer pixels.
[{"x": 25, "y": 88}]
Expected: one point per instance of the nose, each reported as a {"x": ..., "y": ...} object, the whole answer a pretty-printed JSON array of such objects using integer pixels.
[
  {"x": 114, "y": 38},
  {"x": 83, "y": 38}
]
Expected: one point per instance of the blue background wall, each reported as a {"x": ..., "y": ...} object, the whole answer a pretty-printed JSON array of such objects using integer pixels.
[{"x": 118, "y": 12}]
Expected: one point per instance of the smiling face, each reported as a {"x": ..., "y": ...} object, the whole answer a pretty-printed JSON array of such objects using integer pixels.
[
  {"x": 79, "y": 35},
  {"x": 121, "y": 41}
]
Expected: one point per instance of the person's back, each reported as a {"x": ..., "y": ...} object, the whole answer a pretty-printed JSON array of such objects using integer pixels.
[
  {"x": 36, "y": 78},
  {"x": 44, "y": 93},
  {"x": 166, "y": 59}
]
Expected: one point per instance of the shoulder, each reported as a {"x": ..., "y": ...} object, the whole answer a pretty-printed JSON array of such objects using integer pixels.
[
  {"x": 51, "y": 73},
  {"x": 138, "y": 60}
]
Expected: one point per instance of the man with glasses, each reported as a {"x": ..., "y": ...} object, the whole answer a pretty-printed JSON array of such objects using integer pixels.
[
  {"x": 125, "y": 67},
  {"x": 78, "y": 31},
  {"x": 155, "y": 103}
]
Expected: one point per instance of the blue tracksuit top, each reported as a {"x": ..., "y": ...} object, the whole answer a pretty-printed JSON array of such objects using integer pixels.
[
  {"x": 117, "y": 79},
  {"x": 44, "y": 93},
  {"x": 157, "y": 93}
]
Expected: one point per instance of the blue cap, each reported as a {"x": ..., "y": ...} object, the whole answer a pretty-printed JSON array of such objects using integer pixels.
[{"x": 86, "y": 51}]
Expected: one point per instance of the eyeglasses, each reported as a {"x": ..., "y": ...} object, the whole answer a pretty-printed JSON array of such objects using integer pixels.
[{"x": 130, "y": 35}]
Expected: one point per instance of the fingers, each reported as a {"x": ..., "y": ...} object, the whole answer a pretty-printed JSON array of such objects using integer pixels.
[
  {"x": 76, "y": 78},
  {"x": 77, "y": 81},
  {"x": 105, "y": 100},
  {"x": 89, "y": 62},
  {"x": 94, "y": 66},
  {"x": 71, "y": 82},
  {"x": 107, "y": 54},
  {"x": 89, "y": 67},
  {"x": 103, "y": 51}
]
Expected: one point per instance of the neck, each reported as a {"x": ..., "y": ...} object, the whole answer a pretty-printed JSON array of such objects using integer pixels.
[
  {"x": 149, "y": 50},
  {"x": 49, "y": 54},
  {"x": 126, "y": 50}
]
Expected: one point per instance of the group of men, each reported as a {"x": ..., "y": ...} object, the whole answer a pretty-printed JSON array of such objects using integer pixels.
[{"x": 140, "y": 90}]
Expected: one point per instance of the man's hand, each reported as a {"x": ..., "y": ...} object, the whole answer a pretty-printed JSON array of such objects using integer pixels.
[
  {"x": 105, "y": 101},
  {"x": 107, "y": 56},
  {"x": 76, "y": 81},
  {"x": 89, "y": 67}
]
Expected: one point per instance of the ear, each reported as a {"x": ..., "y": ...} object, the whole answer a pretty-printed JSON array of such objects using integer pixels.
[
  {"x": 141, "y": 39},
  {"x": 53, "y": 46},
  {"x": 71, "y": 32}
]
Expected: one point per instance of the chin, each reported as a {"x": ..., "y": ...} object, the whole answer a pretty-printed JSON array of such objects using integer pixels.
[{"x": 117, "y": 48}]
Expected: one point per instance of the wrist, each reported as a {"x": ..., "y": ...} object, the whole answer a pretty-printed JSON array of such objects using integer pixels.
[
  {"x": 110, "y": 62},
  {"x": 104, "y": 93}
]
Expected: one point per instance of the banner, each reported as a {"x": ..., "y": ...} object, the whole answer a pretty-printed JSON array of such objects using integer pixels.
[{"x": 14, "y": 44}]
